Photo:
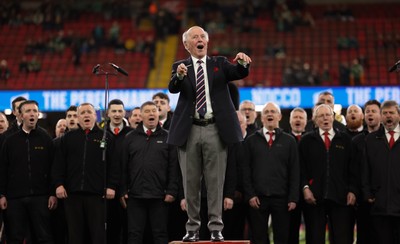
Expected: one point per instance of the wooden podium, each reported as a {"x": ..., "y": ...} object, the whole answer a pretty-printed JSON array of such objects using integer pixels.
[{"x": 209, "y": 242}]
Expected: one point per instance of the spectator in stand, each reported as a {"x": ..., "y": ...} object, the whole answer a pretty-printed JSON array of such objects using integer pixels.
[
  {"x": 135, "y": 118},
  {"x": 150, "y": 49},
  {"x": 76, "y": 46},
  {"x": 113, "y": 34},
  {"x": 4, "y": 70},
  {"x": 24, "y": 65},
  {"x": 356, "y": 73},
  {"x": 344, "y": 74},
  {"x": 34, "y": 65},
  {"x": 57, "y": 44},
  {"x": 327, "y": 76},
  {"x": 98, "y": 35}
]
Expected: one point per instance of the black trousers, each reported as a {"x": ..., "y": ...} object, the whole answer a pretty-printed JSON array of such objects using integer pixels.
[
  {"x": 22, "y": 212},
  {"x": 277, "y": 208},
  {"x": 85, "y": 212},
  {"x": 117, "y": 223},
  {"x": 388, "y": 229},
  {"x": 366, "y": 233},
  {"x": 140, "y": 211},
  {"x": 295, "y": 222},
  {"x": 1, "y": 225},
  {"x": 234, "y": 221},
  {"x": 59, "y": 224},
  {"x": 340, "y": 220},
  {"x": 176, "y": 221}
]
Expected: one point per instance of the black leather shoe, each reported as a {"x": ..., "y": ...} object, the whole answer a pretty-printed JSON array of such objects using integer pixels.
[
  {"x": 216, "y": 235},
  {"x": 191, "y": 236}
]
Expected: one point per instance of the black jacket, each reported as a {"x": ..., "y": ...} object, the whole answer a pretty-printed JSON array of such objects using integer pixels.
[
  {"x": 150, "y": 168},
  {"x": 118, "y": 144},
  {"x": 79, "y": 166},
  {"x": 381, "y": 180},
  {"x": 330, "y": 175},
  {"x": 272, "y": 172},
  {"x": 14, "y": 127},
  {"x": 234, "y": 176},
  {"x": 251, "y": 129},
  {"x": 25, "y": 164},
  {"x": 358, "y": 151}
]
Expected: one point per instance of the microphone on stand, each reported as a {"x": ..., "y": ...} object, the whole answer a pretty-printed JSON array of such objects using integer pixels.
[
  {"x": 395, "y": 67},
  {"x": 119, "y": 69},
  {"x": 95, "y": 68}
]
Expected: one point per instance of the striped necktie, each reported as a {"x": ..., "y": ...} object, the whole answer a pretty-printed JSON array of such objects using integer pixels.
[{"x": 201, "y": 106}]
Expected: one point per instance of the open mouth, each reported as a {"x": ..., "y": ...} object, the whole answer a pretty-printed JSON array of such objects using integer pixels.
[
  {"x": 151, "y": 119},
  {"x": 87, "y": 120},
  {"x": 200, "y": 46},
  {"x": 297, "y": 124},
  {"x": 270, "y": 119},
  {"x": 31, "y": 119},
  {"x": 370, "y": 119},
  {"x": 389, "y": 121}
]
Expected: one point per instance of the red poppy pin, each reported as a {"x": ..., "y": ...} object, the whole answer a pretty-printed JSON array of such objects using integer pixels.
[
  {"x": 216, "y": 69},
  {"x": 310, "y": 181}
]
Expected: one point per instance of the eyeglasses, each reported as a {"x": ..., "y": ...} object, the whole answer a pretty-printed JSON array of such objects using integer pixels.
[
  {"x": 247, "y": 109},
  {"x": 324, "y": 115}
]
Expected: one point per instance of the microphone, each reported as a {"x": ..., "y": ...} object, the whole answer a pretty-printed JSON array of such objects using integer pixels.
[
  {"x": 95, "y": 68},
  {"x": 119, "y": 69},
  {"x": 395, "y": 66}
]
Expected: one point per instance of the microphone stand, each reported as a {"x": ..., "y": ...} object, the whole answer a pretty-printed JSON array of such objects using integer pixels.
[{"x": 97, "y": 70}]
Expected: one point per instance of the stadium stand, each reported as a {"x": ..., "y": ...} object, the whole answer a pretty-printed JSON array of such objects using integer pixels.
[{"x": 371, "y": 30}]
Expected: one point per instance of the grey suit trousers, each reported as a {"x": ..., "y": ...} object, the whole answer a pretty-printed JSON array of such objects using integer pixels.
[{"x": 204, "y": 155}]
